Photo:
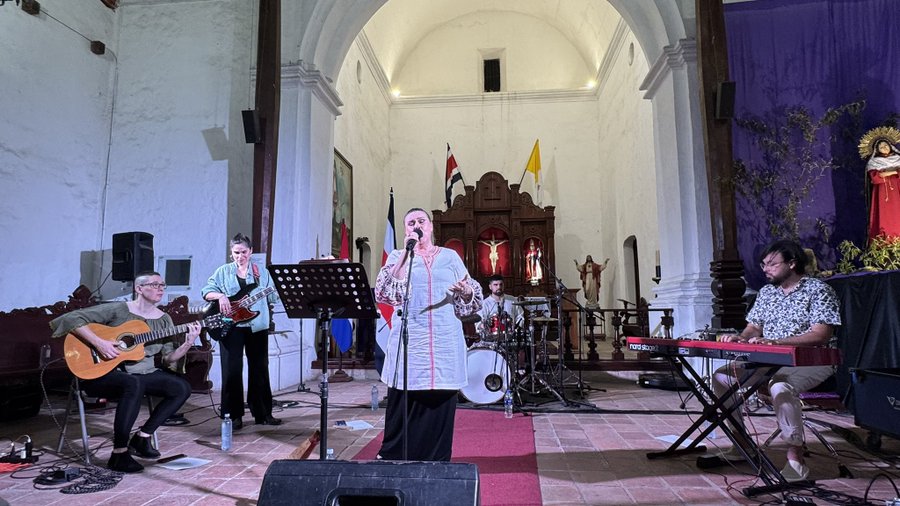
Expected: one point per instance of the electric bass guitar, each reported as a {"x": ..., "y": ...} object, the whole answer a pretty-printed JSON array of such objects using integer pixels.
[
  {"x": 129, "y": 337},
  {"x": 240, "y": 308}
]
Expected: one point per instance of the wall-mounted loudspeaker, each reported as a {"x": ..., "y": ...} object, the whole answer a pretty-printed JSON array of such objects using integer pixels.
[
  {"x": 132, "y": 253},
  {"x": 376, "y": 483},
  {"x": 725, "y": 100},
  {"x": 252, "y": 132}
]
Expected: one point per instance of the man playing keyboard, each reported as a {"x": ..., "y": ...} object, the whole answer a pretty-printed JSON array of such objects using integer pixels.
[{"x": 796, "y": 310}]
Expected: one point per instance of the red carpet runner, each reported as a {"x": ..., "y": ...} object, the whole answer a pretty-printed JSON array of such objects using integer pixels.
[{"x": 503, "y": 450}]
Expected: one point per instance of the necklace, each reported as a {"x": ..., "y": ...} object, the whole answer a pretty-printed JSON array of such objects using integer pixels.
[{"x": 430, "y": 252}]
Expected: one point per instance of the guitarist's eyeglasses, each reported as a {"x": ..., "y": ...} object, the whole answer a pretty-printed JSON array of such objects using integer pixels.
[{"x": 156, "y": 286}]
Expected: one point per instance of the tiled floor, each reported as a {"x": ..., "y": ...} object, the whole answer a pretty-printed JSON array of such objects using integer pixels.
[{"x": 596, "y": 457}]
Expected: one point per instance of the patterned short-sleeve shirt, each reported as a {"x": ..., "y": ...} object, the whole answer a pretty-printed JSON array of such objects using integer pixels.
[{"x": 782, "y": 315}]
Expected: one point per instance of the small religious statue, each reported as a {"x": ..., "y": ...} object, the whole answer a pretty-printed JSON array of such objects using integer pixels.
[
  {"x": 493, "y": 244},
  {"x": 533, "y": 272},
  {"x": 590, "y": 280},
  {"x": 879, "y": 147}
]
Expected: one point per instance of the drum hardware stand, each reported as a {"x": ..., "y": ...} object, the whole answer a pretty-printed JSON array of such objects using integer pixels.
[
  {"x": 561, "y": 365},
  {"x": 315, "y": 289},
  {"x": 533, "y": 377}
]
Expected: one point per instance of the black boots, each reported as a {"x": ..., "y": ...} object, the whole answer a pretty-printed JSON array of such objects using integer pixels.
[
  {"x": 124, "y": 463},
  {"x": 141, "y": 447}
]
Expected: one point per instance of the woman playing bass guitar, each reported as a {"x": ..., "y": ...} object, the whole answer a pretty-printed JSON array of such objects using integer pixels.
[{"x": 250, "y": 335}]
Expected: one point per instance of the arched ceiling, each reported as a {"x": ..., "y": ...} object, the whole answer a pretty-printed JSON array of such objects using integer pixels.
[{"x": 399, "y": 26}]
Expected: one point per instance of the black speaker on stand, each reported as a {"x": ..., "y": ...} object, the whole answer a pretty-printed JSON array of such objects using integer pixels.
[
  {"x": 252, "y": 130},
  {"x": 725, "y": 100},
  {"x": 374, "y": 483},
  {"x": 132, "y": 254}
]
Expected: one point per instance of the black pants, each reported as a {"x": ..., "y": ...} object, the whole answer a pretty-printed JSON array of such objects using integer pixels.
[
  {"x": 259, "y": 391},
  {"x": 130, "y": 389},
  {"x": 430, "y": 426}
]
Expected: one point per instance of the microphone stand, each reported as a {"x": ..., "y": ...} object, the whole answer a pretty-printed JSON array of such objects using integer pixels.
[
  {"x": 560, "y": 290},
  {"x": 404, "y": 342}
]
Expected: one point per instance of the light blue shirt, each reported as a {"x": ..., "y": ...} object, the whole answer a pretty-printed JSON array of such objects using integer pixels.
[{"x": 225, "y": 280}]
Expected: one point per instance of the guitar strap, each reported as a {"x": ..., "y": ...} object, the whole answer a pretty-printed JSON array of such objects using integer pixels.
[{"x": 255, "y": 271}]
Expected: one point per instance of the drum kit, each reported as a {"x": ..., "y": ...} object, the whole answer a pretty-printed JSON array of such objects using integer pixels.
[{"x": 509, "y": 356}]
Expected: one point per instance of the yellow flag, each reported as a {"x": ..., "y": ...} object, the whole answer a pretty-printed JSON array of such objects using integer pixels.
[{"x": 534, "y": 166}]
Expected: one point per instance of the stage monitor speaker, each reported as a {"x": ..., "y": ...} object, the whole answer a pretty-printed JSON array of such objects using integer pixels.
[
  {"x": 876, "y": 400},
  {"x": 132, "y": 253},
  {"x": 252, "y": 133},
  {"x": 374, "y": 483},
  {"x": 725, "y": 100}
]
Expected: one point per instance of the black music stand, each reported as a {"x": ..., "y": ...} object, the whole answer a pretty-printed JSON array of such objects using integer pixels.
[{"x": 324, "y": 289}]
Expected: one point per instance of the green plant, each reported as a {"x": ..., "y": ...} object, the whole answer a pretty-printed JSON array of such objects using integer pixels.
[
  {"x": 882, "y": 254},
  {"x": 849, "y": 253},
  {"x": 796, "y": 154}
]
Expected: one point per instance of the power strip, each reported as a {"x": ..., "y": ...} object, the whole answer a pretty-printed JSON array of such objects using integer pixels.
[
  {"x": 797, "y": 500},
  {"x": 58, "y": 476}
]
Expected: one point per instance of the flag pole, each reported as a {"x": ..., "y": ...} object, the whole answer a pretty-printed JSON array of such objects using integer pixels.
[
  {"x": 461, "y": 177},
  {"x": 527, "y": 164}
]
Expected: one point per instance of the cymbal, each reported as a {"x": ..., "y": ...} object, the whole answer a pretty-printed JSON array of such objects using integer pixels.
[
  {"x": 544, "y": 319},
  {"x": 531, "y": 302}
]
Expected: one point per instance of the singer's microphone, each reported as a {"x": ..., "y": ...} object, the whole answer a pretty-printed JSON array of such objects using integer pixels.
[{"x": 411, "y": 243}]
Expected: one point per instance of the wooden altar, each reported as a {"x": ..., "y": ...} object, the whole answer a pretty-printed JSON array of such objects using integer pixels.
[{"x": 497, "y": 229}]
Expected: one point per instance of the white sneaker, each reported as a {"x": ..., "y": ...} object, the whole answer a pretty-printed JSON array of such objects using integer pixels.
[{"x": 795, "y": 471}]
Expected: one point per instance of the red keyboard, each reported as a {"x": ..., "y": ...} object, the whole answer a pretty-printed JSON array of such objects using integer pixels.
[{"x": 770, "y": 354}]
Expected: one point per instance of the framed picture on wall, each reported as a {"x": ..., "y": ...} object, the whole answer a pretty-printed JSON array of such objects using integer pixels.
[{"x": 342, "y": 199}]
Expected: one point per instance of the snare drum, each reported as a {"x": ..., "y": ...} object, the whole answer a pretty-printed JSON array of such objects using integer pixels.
[{"x": 488, "y": 375}]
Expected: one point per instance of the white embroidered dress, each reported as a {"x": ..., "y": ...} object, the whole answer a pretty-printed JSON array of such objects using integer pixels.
[{"x": 437, "y": 347}]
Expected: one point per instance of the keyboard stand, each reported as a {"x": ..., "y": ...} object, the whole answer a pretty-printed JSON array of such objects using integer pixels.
[{"x": 715, "y": 413}]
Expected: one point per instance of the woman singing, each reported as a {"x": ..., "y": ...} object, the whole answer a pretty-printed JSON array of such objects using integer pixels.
[{"x": 440, "y": 292}]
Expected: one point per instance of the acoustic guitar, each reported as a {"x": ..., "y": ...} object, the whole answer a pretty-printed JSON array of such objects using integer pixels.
[
  {"x": 130, "y": 337},
  {"x": 240, "y": 312}
]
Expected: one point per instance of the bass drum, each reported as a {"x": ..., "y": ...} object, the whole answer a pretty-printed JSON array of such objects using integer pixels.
[{"x": 488, "y": 375}]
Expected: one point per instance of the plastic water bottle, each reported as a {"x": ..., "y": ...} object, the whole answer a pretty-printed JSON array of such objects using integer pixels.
[
  {"x": 508, "y": 404},
  {"x": 329, "y": 454},
  {"x": 226, "y": 433},
  {"x": 375, "y": 398}
]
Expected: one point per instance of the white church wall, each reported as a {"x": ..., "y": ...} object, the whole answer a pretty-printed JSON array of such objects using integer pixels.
[
  {"x": 56, "y": 101},
  {"x": 181, "y": 167},
  {"x": 626, "y": 159},
  {"x": 499, "y": 136},
  {"x": 164, "y": 106},
  {"x": 449, "y": 59},
  {"x": 682, "y": 196},
  {"x": 362, "y": 135}
]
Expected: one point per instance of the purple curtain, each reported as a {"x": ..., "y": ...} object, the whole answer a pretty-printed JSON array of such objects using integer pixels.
[{"x": 815, "y": 54}]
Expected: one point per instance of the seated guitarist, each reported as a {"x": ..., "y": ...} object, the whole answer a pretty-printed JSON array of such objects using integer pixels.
[
  {"x": 251, "y": 335},
  {"x": 132, "y": 380}
]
